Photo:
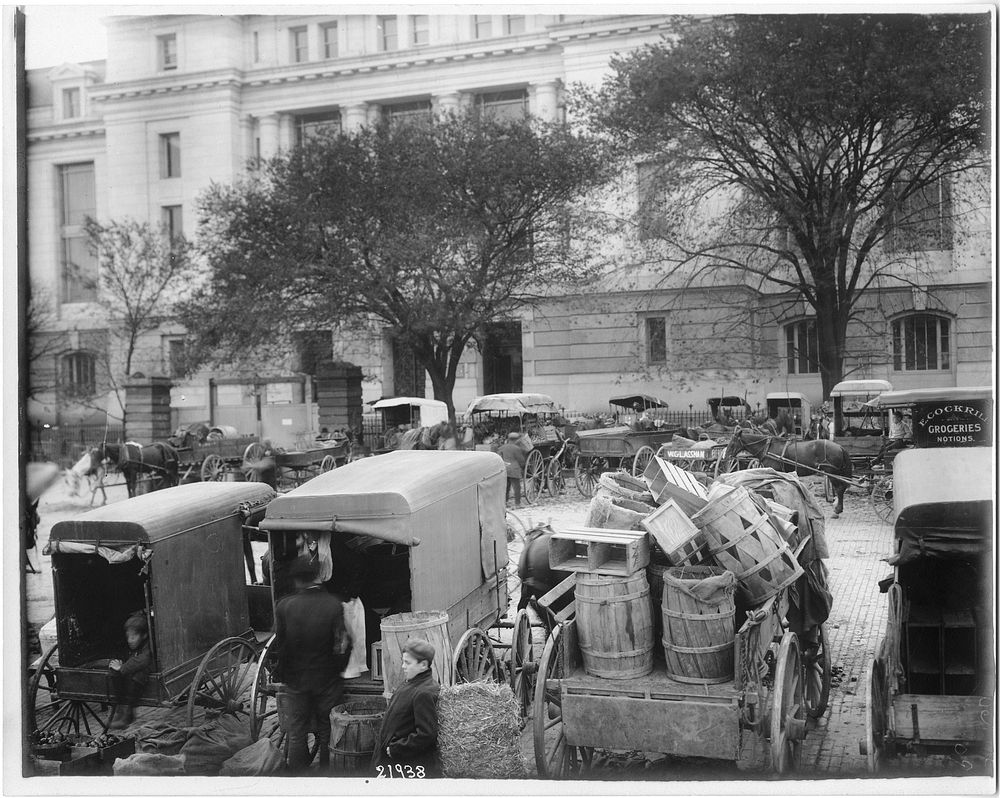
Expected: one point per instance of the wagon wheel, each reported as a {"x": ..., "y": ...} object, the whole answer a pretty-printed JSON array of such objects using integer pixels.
[
  {"x": 475, "y": 659},
  {"x": 556, "y": 478},
  {"x": 534, "y": 476},
  {"x": 516, "y": 528},
  {"x": 788, "y": 718},
  {"x": 213, "y": 468},
  {"x": 253, "y": 453},
  {"x": 881, "y": 498},
  {"x": 553, "y": 758},
  {"x": 49, "y": 712},
  {"x": 873, "y": 744},
  {"x": 224, "y": 675},
  {"x": 587, "y": 470},
  {"x": 328, "y": 463},
  {"x": 816, "y": 669},
  {"x": 642, "y": 458},
  {"x": 523, "y": 668}
]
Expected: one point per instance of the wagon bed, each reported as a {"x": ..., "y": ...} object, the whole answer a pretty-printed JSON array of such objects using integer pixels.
[{"x": 214, "y": 458}]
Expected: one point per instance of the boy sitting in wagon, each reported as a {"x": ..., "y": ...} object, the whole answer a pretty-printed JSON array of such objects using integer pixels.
[{"x": 129, "y": 677}]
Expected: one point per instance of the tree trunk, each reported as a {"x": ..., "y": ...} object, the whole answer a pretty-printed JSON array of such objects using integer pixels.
[{"x": 830, "y": 334}]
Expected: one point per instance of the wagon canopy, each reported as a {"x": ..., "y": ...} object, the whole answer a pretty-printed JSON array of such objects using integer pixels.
[
  {"x": 515, "y": 403},
  {"x": 943, "y": 500},
  {"x": 914, "y": 396},
  {"x": 432, "y": 411},
  {"x": 861, "y": 388},
  {"x": 637, "y": 401},
  {"x": 147, "y": 519}
]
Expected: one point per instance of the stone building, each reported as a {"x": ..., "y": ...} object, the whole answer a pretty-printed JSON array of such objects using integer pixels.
[{"x": 182, "y": 101}]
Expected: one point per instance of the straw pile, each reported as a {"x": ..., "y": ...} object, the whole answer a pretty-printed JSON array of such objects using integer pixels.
[{"x": 479, "y": 732}]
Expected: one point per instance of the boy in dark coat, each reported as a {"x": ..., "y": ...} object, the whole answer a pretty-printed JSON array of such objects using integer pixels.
[
  {"x": 408, "y": 735},
  {"x": 313, "y": 648},
  {"x": 129, "y": 677}
]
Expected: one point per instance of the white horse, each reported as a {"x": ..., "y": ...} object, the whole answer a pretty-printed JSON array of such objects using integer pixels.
[{"x": 90, "y": 468}]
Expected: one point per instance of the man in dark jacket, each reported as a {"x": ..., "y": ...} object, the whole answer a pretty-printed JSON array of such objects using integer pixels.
[
  {"x": 514, "y": 458},
  {"x": 312, "y": 648},
  {"x": 408, "y": 735}
]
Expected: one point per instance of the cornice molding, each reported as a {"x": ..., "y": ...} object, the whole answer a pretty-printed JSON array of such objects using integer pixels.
[{"x": 61, "y": 134}]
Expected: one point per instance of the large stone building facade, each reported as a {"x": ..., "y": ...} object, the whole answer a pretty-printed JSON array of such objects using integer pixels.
[{"x": 182, "y": 101}]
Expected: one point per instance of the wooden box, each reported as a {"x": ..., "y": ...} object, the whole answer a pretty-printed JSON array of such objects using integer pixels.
[
  {"x": 667, "y": 481},
  {"x": 613, "y": 552},
  {"x": 560, "y": 601},
  {"x": 676, "y": 534}
]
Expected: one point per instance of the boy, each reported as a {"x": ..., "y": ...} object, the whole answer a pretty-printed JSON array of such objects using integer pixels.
[
  {"x": 130, "y": 676},
  {"x": 408, "y": 735}
]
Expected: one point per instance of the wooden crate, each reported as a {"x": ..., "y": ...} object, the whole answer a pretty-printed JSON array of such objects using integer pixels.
[
  {"x": 613, "y": 552},
  {"x": 676, "y": 534},
  {"x": 560, "y": 601},
  {"x": 667, "y": 481}
]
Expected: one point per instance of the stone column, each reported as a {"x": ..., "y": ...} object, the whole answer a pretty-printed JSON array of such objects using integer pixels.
[
  {"x": 286, "y": 131},
  {"x": 268, "y": 135},
  {"x": 547, "y": 101},
  {"x": 338, "y": 395},
  {"x": 246, "y": 131},
  {"x": 147, "y": 409},
  {"x": 355, "y": 117},
  {"x": 449, "y": 102}
]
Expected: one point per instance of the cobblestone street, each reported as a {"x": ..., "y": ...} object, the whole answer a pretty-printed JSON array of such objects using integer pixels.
[{"x": 858, "y": 541}]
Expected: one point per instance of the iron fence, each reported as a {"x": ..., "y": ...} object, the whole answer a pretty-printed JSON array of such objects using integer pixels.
[{"x": 65, "y": 443}]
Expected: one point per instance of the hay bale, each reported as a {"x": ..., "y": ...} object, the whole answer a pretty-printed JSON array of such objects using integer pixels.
[{"x": 479, "y": 732}]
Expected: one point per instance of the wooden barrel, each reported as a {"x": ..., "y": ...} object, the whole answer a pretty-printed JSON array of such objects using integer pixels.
[
  {"x": 614, "y": 621},
  {"x": 354, "y": 728},
  {"x": 654, "y": 576},
  {"x": 624, "y": 485},
  {"x": 698, "y": 635},
  {"x": 431, "y": 626},
  {"x": 742, "y": 540},
  {"x": 616, "y": 512}
]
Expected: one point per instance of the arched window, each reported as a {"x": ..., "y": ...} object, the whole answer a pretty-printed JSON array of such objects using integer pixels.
[
  {"x": 801, "y": 347},
  {"x": 921, "y": 342},
  {"x": 79, "y": 373}
]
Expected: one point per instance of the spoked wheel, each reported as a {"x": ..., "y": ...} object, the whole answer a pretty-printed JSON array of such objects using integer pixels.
[
  {"x": 816, "y": 670},
  {"x": 641, "y": 460},
  {"x": 788, "y": 711},
  {"x": 516, "y": 528},
  {"x": 223, "y": 678},
  {"x": 475, "y": 660},
  {"x": 328, "y": 463},
  {"x": 523, "y": 668},
  {"x": 251, "y": 455},
  {"x": 586, "y": 471},
  {"x": 881, "y": 498},
  {"x": 556, "y": 478},
  {"x": 263, "y": 695},
  {"x": 213, "y": 468},
  {"x": 873, "y": 744},
  {"x": 49, "y": 712},
  {"x": 534, "y": 476},
  {"x": 554, "y": 759}
]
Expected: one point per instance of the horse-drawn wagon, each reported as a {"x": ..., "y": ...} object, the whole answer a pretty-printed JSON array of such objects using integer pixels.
[
  {"x": 931, "y": 686},
  {"x": 214, "y": 453},
  {"x": 537, "y": 418},
  {"x": 294, "y": 468},
  {"x": 624, "y": 447},
  {"x": 401, "y": 414},
  {"x": 793, "y": 405},
  {"x": 419, "y": 538},
  {"x": 175, "y": 555}
]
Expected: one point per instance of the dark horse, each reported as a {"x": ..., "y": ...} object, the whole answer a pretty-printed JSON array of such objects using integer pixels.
[
  {"x": 805, "y": 458},
  {"x": 159, "y": 459}
]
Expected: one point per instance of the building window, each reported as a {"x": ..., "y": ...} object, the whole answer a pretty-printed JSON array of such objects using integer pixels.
[
  {"x": 482, "y": 26},
  {"x": 299, "y": 40},
  {"x": 172, "y": 220},
  {"x": 167, "y": 46},
  {"x": 923, "y": 220},
  {"x": 417, "y": 111},
  {"x": 420, "y": 33},
  {"x": 309, "y": 126},
  {"x": 652, "y": 199},
  {"x": 170, "y": 155},
  {"x": 801, "y": 348},
  {"x": 70, "y": 103},
  {"x": 513, "y": 24},
  {"x": 77, "y": 202},
  {"x": 656, "y": 339},
  {"x": 388, "y": 33},
  {"x": 921, "y": 342},
  {"x": 79, "y": 373},
  {"x": 256, "y": 47},
  {"x": 330, "y": 46},
  {"x": 503, "y": 104},
  {"x": 176, "y": 354}
]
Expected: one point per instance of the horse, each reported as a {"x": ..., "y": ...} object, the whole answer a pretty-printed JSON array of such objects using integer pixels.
[
  {"x": 158, "y": 458},
  {"x": 805, "y": 458},
  {"x": 90, "y": 467}
]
